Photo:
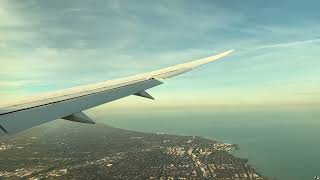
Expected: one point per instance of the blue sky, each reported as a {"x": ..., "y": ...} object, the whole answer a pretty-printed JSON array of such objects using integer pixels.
[{"x": 49, "y": 45}]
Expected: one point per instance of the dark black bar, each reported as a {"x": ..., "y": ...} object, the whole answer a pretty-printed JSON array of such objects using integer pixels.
[{"x": 3, "y": 129}]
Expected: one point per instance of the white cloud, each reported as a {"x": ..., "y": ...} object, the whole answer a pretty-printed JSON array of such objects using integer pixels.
[{"x": 289, "y": 44}]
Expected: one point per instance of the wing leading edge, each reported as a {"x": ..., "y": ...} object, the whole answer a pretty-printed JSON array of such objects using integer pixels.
[{"x": 68, "y": 104}]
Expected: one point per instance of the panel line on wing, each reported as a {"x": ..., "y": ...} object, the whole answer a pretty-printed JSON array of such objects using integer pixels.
[
  {"x": 3, "y": 129},
  {"x": 96, "y": 89},
  {"x": 73, "y": 97}
]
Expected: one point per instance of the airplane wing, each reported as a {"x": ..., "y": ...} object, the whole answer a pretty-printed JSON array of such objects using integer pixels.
[{"x": 69, "y": 104}]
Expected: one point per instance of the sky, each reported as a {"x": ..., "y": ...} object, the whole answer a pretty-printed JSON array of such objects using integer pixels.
[{"x": 51, "y": 45}]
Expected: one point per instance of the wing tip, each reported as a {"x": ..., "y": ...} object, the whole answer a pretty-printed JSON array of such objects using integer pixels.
[
  {"x": 227, "y": 52},
  {"x": 221, "y": 55},
  {"x": 210, "y": 59}
]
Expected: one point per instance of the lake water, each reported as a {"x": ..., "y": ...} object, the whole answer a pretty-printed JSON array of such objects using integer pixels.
[{"x": 283, "y": 145}]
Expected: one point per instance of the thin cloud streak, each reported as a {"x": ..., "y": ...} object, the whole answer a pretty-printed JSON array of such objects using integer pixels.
[{"x": 282, "y": 45}]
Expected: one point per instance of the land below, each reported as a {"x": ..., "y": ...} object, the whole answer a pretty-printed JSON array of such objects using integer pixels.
[{"x": 65, "y": 150}]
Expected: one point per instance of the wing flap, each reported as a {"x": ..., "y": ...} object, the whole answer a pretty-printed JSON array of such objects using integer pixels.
[
  {"x": 79, "y": 117},
  {"x": 144, "y": 94}
]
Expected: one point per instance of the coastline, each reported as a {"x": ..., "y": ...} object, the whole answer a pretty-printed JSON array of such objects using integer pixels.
[{"x": 72, "y": 151}]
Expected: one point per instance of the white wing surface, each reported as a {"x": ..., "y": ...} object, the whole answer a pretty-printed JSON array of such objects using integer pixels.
[{"x": 68, "y": 104}]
